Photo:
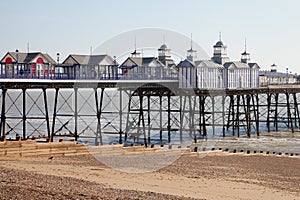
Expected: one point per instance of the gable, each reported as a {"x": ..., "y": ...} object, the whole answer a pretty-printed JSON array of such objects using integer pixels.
[
  {"x": 38, "y": 58},
  {"x": 8, "y": 55},
  {"x": 154, "y": 63},
  {"x": 70, "y": 61},
  {"x": 107, "y": 60},
  {"x": 128, "y": 63},
  {"x": 254, "y": 66}
]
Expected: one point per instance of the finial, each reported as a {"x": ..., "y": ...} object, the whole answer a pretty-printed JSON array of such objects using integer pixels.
[
  {"x": 191, "y": 40},
  {"x": 135, "y": 43},
  {"x": 220, "y": 36},
  {"x": 245, "y": 44},
  {"x": 164, "y": 41}
]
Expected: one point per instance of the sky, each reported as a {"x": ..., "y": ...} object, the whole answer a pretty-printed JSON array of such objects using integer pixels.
[{"x": 271, "y": 27}]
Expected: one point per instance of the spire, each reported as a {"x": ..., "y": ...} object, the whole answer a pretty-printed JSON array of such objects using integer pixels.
[
  {"x": 220, "y": 36},
  {"x": 135, "y": 43},
  {"x": 245, "y": 44},
  {"x": 191, "y": 40},
  {"x": 135, "y": 53},
  {"x": 245, "y": 56},
  {"x": 191, "y": 54}
]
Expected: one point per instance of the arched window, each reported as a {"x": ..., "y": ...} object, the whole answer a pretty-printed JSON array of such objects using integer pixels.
[
  {"x": 8, "y": 60},
  {"x": 40, "y": 66}
]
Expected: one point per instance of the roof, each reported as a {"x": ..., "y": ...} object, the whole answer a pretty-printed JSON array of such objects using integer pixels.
[
  {"x": 275, "y": 74},
  {"x": 89, "y": 59},
  {"x": 163, "y": 47},
  {"x": 207, "y": 63},
  {"x": 28, "y": 57},
  {"x": 252, "y": 65},
  {"x": 219, "y": 44},
  {"x": 186, "y": 63},
  {"x": 236, "y": 64},
  {"x": 139, "y": 61}
]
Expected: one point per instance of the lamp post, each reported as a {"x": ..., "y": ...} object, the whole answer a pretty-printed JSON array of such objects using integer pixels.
[
  {"x": 17, "y": 63},
  {"x": 58, "y": 69},
  {"x": 287, "y": 75}
]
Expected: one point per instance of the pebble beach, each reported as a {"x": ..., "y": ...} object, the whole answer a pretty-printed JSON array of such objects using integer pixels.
[{"x": 190, "y": 177}]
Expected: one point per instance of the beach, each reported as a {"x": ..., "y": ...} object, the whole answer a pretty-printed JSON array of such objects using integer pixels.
[{"x": 214, "y": 176}]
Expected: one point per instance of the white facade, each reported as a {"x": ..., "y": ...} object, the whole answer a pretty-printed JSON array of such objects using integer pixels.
[
  {"x": 218, "y": 72},
  {"x": 209, "y": 75},
  {"x": 276, "y": 78},
  {"x": 187, "y": 74},
  {"x": 239, "y": 75}
]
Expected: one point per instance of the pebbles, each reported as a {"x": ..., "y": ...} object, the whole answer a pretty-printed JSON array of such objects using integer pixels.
[{"x": 17, "y": 184}]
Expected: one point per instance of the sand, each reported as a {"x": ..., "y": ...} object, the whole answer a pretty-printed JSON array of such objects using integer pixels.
[{"x": 219, "y": 176}]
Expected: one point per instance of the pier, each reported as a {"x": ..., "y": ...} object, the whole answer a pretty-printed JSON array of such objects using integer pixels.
[{"x": 149, "y": 111}]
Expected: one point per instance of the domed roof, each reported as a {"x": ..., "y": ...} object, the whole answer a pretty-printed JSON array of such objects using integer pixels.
[
  {"x": 219, "y": 44},
  {"x": 163, "y": 47}
]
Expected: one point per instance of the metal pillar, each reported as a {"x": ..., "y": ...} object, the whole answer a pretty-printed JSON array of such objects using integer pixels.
[
  {"x": 121, "y": 118},
  {"x": 297, "y": 114},
  {"x": 76, "y": 113},
  {"x": 276, "y": 111},
  {"x": 3, "y": 112},
  {"x": 257, "y": 115},
  {"x": 24, "y": 113},
  {"x": 238, "y": 115},
  {"x": 181, "y": 118},
  {"x": 141, "y": 117},
  {"x": 99, "y": 112},
  {"x": 54, "y": 113},
  {"x": 213, "y": 115},
  {"x": 290, "y": 121},
  {"x": 47, "y": 113},
  {"x": 169, "y": 118},
  {"x": 148, "y": 105},
  {"x": 160, "y": 119},
  {"x": 203, "y": 117},
  {"x": 127, "y": 120},
  {"x": 223, "y": 115},
  {"x": 268, "y": 110},
  {"x": 248, "y": 118}
]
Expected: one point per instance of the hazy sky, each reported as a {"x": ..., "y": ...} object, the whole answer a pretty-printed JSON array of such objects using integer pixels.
[{"x": 272, "y": 27}]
